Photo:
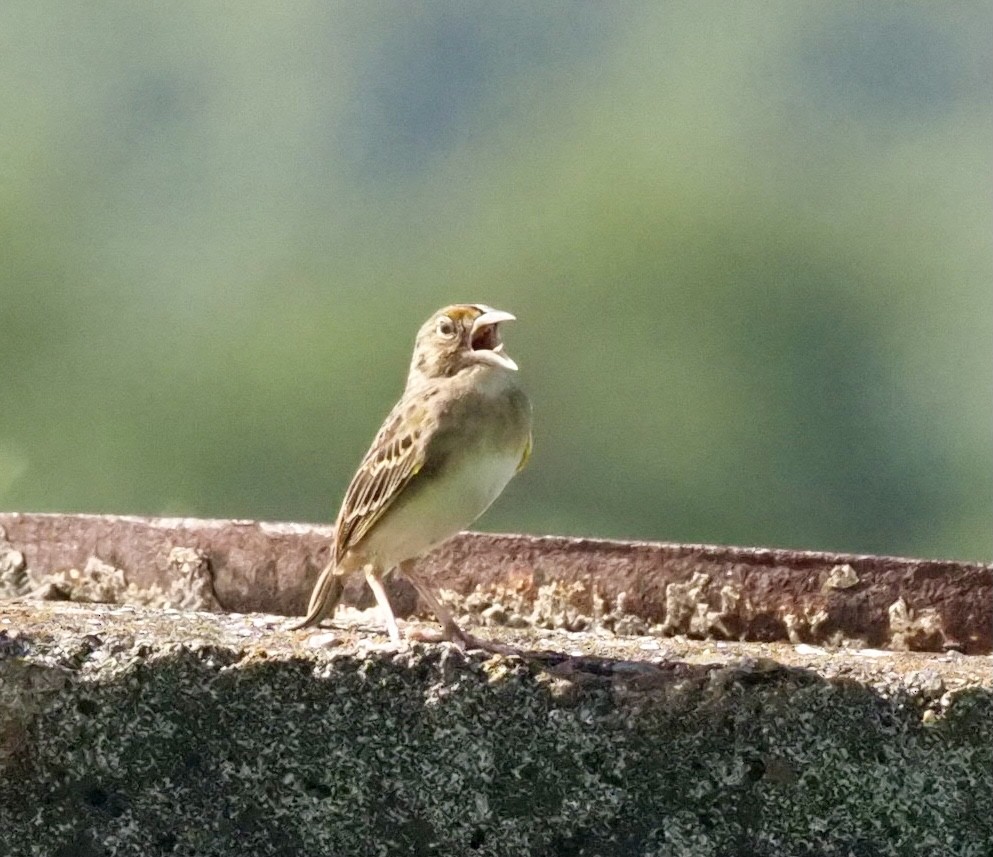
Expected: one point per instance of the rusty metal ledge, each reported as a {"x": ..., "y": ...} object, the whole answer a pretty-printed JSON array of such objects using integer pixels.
[{"x": 631, "y": 587}]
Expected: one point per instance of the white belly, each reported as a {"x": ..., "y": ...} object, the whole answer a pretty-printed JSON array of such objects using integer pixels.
[{"x": 423, "y": 519}]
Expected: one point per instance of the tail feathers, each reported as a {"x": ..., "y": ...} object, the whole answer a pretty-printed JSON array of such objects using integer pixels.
[{"x": 325, "y": 597}]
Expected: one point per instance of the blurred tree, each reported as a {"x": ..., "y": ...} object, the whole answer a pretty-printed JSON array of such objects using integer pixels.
[{"x": 749, "y": 248}]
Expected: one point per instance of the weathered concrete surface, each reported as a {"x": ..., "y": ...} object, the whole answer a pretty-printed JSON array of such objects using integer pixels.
[
  {"x": 128, "y": 731},
  {"x": 634, "y": 587}
]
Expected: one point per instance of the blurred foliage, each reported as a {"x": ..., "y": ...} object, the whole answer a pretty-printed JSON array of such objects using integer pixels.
[{"x": 749, "y": 246}]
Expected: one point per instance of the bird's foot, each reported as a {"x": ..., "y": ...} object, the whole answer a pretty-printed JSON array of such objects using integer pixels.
[{"x": 462, "y": 639}]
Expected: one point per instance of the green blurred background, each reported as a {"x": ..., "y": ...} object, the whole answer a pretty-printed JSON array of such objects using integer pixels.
[{"x": 749, "y": 246}]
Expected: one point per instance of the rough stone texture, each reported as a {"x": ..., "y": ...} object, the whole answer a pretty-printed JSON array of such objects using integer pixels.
[
  {"x": 130, "y": 731},
  {"x": 631, "y": 587}
]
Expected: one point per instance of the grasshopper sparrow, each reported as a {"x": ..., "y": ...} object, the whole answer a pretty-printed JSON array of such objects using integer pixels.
[{"x": 459, "y": 433}]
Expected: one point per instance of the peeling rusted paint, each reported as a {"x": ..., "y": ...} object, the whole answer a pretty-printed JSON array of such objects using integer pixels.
[
  {"x": 743, "y": 593},
  {"x": 696, "y": 590}
]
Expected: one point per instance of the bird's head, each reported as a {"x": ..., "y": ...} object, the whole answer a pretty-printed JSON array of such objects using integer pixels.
[{"x": 460, "y": 337}]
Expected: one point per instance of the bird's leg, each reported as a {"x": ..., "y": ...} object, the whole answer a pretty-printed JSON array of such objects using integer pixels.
[
  {"x": 376, "y": 585},
  {"x": 450, "y": 630}
]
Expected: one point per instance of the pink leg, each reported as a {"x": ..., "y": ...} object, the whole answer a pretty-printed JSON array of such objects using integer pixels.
[
  {"x": 450, "y": 629},
  {"x": 376, "y": 585}
]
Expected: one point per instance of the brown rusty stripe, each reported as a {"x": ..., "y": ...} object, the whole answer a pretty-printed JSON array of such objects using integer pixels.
[{"x": 699, "y": 590}]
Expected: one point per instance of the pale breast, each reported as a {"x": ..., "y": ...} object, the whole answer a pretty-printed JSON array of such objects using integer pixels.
[{"x": 484, "y": 432}]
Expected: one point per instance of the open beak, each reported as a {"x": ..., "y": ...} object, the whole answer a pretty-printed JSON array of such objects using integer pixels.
[{"x": 484, "y": 338}]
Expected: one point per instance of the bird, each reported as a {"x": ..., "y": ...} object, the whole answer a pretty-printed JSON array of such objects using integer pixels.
[{"x": 459, "y": 433}]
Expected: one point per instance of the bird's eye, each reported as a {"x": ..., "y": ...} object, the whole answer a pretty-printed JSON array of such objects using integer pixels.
[{"x": 446, "y": 327}]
